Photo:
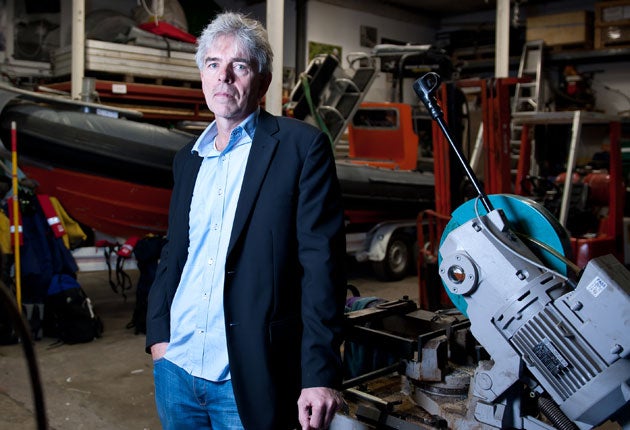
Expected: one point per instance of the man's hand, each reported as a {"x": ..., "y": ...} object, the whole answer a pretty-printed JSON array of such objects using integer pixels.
[
  {"x": 317, "y": 407},
  {"x": 158, "y": 350}
]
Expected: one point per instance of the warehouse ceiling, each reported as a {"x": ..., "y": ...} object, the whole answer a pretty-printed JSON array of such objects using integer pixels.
[
  {"x": 442, "y": 7},
  {"x": 428, "y": 8}
]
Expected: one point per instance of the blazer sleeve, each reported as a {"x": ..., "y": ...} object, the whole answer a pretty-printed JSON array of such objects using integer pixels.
[
  {"x": 158, "y": 308},
  {"x": 169, "y": 268},
  {"x": 321, "y": 252}
]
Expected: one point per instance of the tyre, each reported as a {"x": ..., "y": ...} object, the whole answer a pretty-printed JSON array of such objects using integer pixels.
[{"x": 398, "y": 259}]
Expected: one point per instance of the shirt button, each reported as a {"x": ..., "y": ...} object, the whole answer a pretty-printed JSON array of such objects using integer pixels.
[{"x": 211, "y": 261}]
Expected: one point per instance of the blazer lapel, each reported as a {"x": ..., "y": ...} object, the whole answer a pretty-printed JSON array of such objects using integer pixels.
[{"x": 260, "y": 155}]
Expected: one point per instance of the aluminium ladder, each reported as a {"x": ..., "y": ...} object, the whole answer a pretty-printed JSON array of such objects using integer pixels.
[{"x": 528, "y": 94}]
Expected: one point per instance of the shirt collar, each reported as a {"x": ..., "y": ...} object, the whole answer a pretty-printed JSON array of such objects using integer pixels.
[{"x": 204, "y": 146}]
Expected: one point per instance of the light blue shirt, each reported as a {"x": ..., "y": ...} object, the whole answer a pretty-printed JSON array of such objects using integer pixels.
[{"x": 198, "y": 340}]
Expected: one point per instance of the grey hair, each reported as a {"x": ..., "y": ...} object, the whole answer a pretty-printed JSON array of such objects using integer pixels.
[{"x": 250, "y": 34}]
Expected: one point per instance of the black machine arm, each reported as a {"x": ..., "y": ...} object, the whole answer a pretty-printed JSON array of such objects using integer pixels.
[{"x": 425, "y": 88}]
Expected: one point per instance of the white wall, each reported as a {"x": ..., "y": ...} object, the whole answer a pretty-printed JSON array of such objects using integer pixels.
[
  {"x": 614, "y": 76},
  {"x": 334, "y": 25}
]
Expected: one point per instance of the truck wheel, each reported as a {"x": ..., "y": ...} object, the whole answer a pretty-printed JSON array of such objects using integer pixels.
[{"x": 397, "y": 261}]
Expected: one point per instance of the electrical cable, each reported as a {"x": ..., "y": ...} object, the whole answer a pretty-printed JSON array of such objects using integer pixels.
[
  {"x": 512, "y": 251},
  {"x": 29, "y": 353},
  {"x": 621, "y": 93},
  {"x": 577, "y": 269},
  {"x": 617, "y": 91}
]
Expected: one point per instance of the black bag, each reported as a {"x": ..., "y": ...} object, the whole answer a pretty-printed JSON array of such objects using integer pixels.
[{"x": 69, "y": 312}]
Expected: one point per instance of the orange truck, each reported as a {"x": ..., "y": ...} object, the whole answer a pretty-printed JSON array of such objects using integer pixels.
[{"x": 383, "y": 186}]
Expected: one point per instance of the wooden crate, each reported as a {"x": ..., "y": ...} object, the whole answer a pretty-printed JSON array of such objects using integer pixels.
[
  {"x": 569, "y": 28},
  {"x": 612, "y": 24},
  {"x": 612, "y": 13},
  {"x": 611, "y": 36},
  {"x": 130, "y": 60}
]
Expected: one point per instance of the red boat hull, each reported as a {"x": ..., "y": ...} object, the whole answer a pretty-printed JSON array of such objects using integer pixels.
[
  {"x": 121, "y": 209},
  {"x": 116, "y": 208}
]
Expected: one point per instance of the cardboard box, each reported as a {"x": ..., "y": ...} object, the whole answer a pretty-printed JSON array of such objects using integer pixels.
[
  {"x": 612, "y": 12},
  {"x": 570, "y": 28},
  {"x": 612, "y": 24}
]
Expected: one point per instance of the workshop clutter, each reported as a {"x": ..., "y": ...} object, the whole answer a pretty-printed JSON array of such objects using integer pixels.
[
  {"x": 51, "y": 299},
  {"x": 69, "y": 314},
  {"x": 360, "y": 359},
  {"x": 589, "y": 199},
  {"x": 147, "y": 251}
]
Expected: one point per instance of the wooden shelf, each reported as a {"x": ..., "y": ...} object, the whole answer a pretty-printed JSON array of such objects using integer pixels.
[
  {"x": 586, "y": 56},
  {"x": 608, "y": 55},
  {"x": 162, "y": 102}
]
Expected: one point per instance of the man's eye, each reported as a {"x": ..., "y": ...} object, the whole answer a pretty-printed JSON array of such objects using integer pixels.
[{"x": 240, "y": 67}]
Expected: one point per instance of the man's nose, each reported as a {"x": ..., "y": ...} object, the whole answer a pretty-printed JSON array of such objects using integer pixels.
[{"x": 226, "y": 74}]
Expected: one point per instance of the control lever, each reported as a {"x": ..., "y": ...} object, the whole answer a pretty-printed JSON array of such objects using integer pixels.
[{"x": 425, "y": 88}]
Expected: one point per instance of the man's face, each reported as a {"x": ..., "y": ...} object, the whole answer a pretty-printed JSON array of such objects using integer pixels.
[{"x": 230, "y": 80}]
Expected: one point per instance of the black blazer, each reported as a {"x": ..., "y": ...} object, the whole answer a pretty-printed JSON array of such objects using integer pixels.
[{"x": 284, "y": 277}]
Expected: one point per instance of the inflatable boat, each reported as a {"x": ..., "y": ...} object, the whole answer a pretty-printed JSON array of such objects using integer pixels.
[{"x": 114, "y": 174}]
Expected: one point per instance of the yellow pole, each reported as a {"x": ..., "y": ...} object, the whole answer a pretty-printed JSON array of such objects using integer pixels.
[{"x": 16, "y": 218}]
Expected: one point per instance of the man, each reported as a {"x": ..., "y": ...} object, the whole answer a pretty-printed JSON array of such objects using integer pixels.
[{"x": 245, "y": 315}]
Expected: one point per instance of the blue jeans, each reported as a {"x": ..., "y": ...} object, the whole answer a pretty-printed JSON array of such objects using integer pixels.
[{"x": 187, "y": 402}]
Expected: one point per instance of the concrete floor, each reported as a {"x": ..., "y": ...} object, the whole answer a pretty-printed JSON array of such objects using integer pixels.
[{"x": 107, "y": 384}]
